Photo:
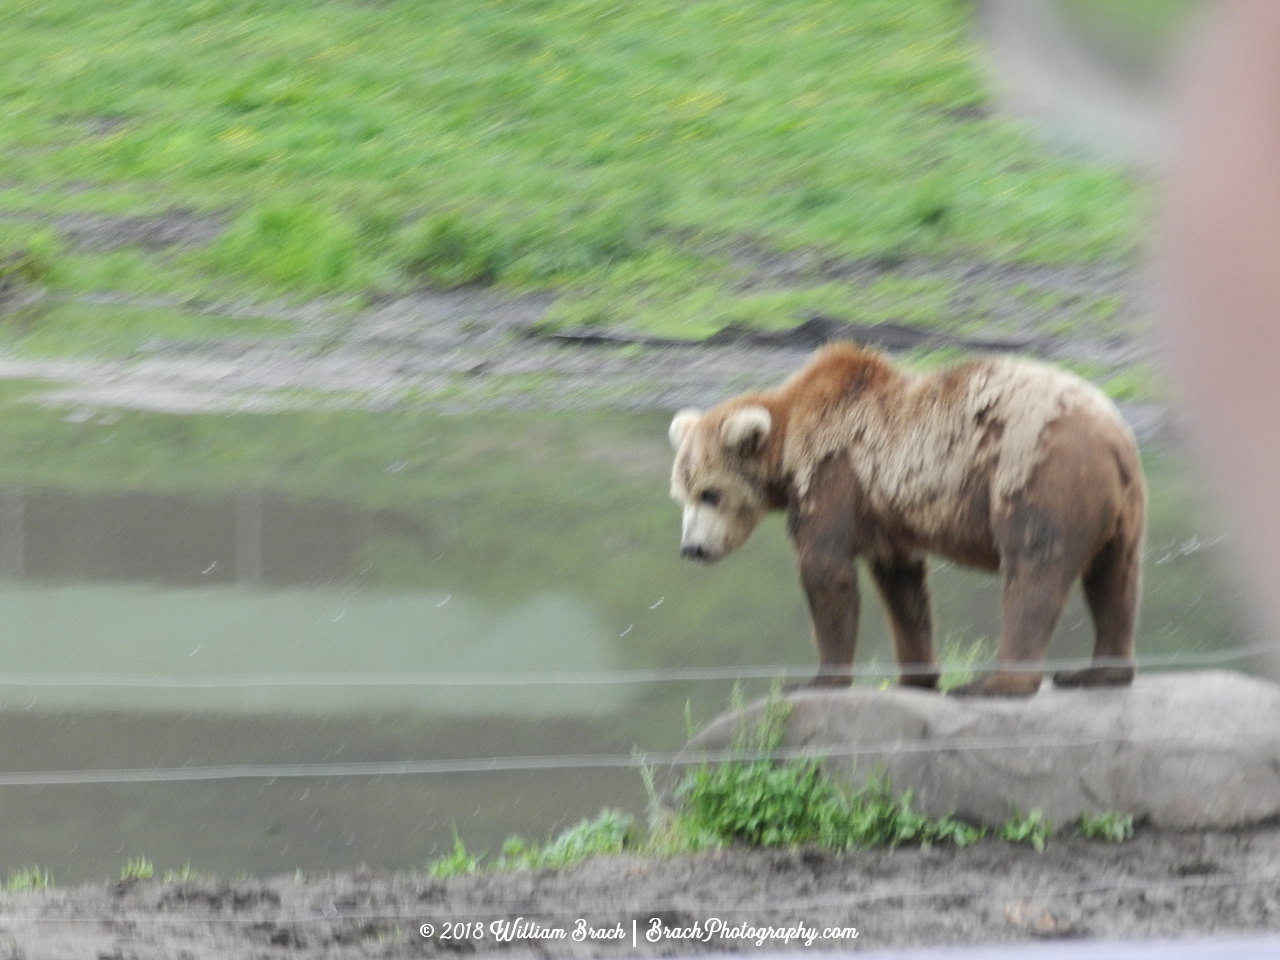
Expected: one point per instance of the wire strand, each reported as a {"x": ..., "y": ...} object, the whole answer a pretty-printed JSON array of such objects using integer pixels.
[
  {"x": 614, "y": 677},
  {"x": 396, "y": 768}
]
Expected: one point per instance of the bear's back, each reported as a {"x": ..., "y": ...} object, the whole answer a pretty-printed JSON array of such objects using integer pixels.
[{"x": 924, "y": 446}]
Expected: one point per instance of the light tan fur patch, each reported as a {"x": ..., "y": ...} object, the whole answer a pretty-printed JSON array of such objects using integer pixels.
[{"x": 915, "y": 440}]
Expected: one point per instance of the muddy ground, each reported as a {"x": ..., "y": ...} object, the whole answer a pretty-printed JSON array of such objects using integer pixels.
[
  {"x": 470, "y": 349},
  {"x": 1159, "y": 884},
  {"x": 477, "y": 348}
]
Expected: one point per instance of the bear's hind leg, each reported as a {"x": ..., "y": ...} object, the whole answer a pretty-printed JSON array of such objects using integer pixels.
[
  {"x": 1034, "y": 595},
  {"x": 906, "y": 598},
  {"x": 1112, "y": 583}
]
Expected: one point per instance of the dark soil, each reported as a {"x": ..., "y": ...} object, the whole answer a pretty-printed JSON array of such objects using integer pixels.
[
  {"x": 1159, "y": 884},
  {"x": 479, "y": 348}
]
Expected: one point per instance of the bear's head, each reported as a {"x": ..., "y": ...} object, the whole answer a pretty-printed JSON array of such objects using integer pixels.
[{"x": 720, "y": 477}]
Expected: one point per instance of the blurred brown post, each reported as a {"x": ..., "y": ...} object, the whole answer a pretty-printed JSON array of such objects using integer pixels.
[{"x": 1219, "y": 282}]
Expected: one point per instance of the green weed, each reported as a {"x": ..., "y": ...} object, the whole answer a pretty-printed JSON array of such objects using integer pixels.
[
  {"x": 27, "y": 269},
  {"x": 1111, "y": 826},
  {"x": 764, "y": 802},
  {"x": 761, "y": 803},
  {"x": 292, "y": 244},
  {"x": 450, "y": 251},
  {"x": 137, "y": 868},
  {"x": 22, "y": 267},
  {"x": 27, "y": 879},
  {"x": 957, "y": 660},
  {"x": 609, "y": 833},
  {"x": 1031, "y": 828},
  {"x": 456, "y": 863},
  {"x": 183, "y": 873}
]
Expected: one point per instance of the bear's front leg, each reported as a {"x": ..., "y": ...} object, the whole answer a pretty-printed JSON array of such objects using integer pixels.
[
  {"x": 831, "y": 586},
  {"x": 822, "y": 529},
  {"x": 902, "y": 584}
]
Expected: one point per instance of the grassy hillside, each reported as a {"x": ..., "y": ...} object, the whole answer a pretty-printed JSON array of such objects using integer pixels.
[{"x": 626, "y": 152}]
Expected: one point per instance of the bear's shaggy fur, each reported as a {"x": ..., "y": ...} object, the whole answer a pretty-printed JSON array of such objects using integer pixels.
[{"x": 999, "y": 464}]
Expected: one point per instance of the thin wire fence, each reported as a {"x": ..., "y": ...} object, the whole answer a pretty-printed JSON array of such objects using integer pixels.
[
  {"x": 634, "y": 760},
  {"x": 542, "y": 763},
  {"x": 609, "y": 677}
]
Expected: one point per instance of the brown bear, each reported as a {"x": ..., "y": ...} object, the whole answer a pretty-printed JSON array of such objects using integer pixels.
[{"x": 997, "y": 463}]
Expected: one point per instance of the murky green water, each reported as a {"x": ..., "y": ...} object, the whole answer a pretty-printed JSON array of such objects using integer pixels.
[{"x": 180, "y": 593}]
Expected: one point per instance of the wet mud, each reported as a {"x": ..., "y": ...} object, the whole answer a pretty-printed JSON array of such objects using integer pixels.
[{"x": 1159, "y": 884}]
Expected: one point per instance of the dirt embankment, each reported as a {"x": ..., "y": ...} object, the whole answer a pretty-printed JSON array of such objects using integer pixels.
[
  {"x": 1159, "y": 884},
  {"x": 474, "y": 347}
]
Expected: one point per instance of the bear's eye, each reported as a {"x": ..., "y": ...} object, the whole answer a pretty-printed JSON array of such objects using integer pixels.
[{"x": 710, "y": 497}]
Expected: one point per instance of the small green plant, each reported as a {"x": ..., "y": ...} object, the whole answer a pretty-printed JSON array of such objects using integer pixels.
[
  {"x": 30, "y": 264},
  {"x": 25, "y": 274},
  {"x": 1033, "y": 828},
  {"x": 184, "y": 872},
  {"x": 450, "y": 251},
  {"x": 608, "y": 833},
  {"x": 1111, "y": 826},
  {"x": 956, "y": 832},
  {"x": 303, "y": 245},
  {"x": 763, "y": 802},
  {"x": 19, "y": 267},
  {"x": 455, "y": 863},
  {"x": 137, "y": 868},
  {"x": 957, "y": 660},
  {"x": 27, "y": 879}
]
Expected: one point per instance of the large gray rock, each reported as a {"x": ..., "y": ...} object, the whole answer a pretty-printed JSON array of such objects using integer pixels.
[{"x": 1176, "y": 749}]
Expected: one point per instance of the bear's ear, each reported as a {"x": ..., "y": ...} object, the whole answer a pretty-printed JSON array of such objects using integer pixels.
[
  {"x": 681, "y": 424},
  {"x": 746, "y": 430}
]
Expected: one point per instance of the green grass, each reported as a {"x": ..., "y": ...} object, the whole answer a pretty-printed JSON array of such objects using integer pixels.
[
  {"x": 1142, "y": 383},
  {"x": 752, "y": 803},
  {"x": 26, "y": 265},
  {"x": 609, "y": 833},
  {"x": 764, "y": 802},
  {"x": 590, "y": 145},
  {"x": 53, "y": 329},
  {"x": 137, "y": 868},
  {"x": 455, "y": 863},
  {"x": 1032, "y": 828},
  {"x": 1111, "y": 826},
  {"x": 958, "y": 659},
  {"x": 767, "y": 804},
  {"x": 28, "y": 879},
  {"x": 182, "y": 873}
]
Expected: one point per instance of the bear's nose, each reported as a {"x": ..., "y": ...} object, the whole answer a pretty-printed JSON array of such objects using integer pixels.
[{"x": 693, "y": 552}]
